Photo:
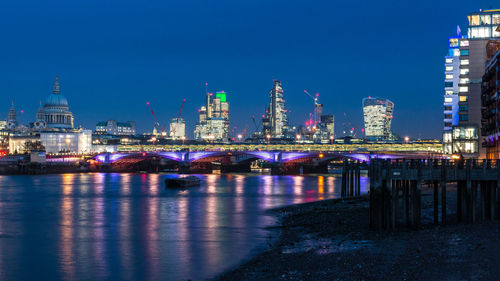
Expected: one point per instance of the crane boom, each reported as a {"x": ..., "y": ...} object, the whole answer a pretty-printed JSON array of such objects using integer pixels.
[
  {"x": 152, "y": 112},
  {"x": 182, "y": 106}
]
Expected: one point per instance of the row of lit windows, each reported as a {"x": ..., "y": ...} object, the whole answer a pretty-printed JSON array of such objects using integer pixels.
[
  {"x": 475, "y": 20},
  {"x": 483, "y": 32},
  {"x": 464, "y": 62},
  {"x": 450, "y": 77},
  {"x": 464, "y": 71},
  {"x": 463, "y": 89}
]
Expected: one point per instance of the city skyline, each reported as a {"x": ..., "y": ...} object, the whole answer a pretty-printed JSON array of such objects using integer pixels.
[{"x": 99, "y": 86}]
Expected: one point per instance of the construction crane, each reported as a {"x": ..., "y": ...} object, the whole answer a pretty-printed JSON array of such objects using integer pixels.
[
  {"x": 257, "y": 127},
  {"x": 315, "y": 100},
  {"x": 157, "y": 124}
]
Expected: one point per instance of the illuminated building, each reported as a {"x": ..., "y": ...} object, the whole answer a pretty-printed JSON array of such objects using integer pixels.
[
  {"x": 177, "y": 129},
  {"x": 75, "y": 141},
  {"x": 378, "y": 117},
  {"x": 275, "y": 121},
  {"x": 470, "y": 52},
  {"x": 53, "y": 127},
  {"x": 213, "y": 123},
  {"x": 490, "y": 126},
  {"x": 55, "y": 112},
  {"x": 112, "y": 127},
  {"x": 12, "y": 118},
  {"x": 326, "y": 128}
]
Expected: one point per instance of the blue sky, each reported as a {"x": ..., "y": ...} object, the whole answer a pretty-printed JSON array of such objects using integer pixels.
[{"x": 114, "y": 56}]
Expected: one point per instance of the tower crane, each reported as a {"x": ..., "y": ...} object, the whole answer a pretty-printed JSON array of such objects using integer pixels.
[
  {"x": 315, "y": 100},
  {"x": 157, "y": 124}
]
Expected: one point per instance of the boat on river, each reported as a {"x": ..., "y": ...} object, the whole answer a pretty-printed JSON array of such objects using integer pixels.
[{"x": 182, "y": 182}]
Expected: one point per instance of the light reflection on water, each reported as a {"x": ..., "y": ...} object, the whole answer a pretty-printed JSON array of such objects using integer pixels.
[{"x": 128, "y": 227}]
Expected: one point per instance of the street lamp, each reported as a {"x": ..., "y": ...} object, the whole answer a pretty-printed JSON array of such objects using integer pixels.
[
  {"x": 298, "y": 138},
  {"x": 331, "y": 139},
  {"x": 407, "y": 139},
  {"x": 68, "y": 141},
  {"x": 239, "y": 138},
  {"x": 183, "y": 138},
  {"x": 268, "y": 138}
]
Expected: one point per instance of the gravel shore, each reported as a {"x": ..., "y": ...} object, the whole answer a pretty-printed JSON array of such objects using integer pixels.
[{"x": 331, "y": 240}]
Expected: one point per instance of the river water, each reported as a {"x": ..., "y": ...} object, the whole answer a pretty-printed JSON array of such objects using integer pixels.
[{"x": 129, "y": 227}]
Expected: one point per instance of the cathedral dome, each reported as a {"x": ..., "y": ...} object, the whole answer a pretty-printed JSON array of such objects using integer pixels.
[{"x": 55, "y": 99}]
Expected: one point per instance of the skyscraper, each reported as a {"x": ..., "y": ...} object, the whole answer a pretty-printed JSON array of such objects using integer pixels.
[
  {"x": 469, "y": 60},
  {"x": 378, "y": 117},
  {"x": 275, "y": 121},
  {"x": 213, "y": 124}
]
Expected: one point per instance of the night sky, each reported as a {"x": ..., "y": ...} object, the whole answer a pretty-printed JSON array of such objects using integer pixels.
[{"x": 114, "y": 56}]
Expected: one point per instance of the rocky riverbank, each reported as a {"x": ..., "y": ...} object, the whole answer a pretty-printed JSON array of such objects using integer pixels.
[{"x": 331, "y": 240}]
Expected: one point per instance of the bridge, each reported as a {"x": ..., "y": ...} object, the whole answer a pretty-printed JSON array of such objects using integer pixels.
[{"x": 279, "y": 162}]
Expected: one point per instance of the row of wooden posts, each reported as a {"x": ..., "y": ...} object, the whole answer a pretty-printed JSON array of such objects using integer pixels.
[
  {"x": 351, "y": 178},
  {"x": 396, "y": 191}
]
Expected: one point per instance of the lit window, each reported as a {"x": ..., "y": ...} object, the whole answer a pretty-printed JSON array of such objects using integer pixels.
[
  {"x": 453, "y": 42},
  {"x": 463, "y": 89},
  {"x": 480, "y": 32},
  {"x": 473, "y": 20},
  {"x": 449, "y": 60},
  {"x": 449, "y": 92},
  {"x": 462, "y": 98},
  {"x": 485, "y": 19},
  {"x": 464, "y": 71},
  {"x": 456, "y": 52},
  {"x": 449, "y": 68},
  {"x": 464, "y": 80},
  {"x": 464, "y": 52},
  {"x": 495, "y": 32},
  {"x": 447, "y": 137},
  {"x": 464, "y": 62},
  {"x": 464, "y": 43},
  {"x": 449, "y": 76},
  {"x": 448, "y": 100},
  {"x": 496, "y": 19}
]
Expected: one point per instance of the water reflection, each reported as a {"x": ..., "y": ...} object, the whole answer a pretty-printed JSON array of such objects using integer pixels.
[{"x": 129, "y": 227}]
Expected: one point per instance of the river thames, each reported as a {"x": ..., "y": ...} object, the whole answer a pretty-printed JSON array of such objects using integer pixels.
[{"x": 129, "y": 227}]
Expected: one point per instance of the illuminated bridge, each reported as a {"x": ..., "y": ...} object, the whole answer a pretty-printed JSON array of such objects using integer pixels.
[{"x": 290, "y": 159}]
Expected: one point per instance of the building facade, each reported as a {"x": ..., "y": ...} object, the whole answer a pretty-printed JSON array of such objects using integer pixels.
[
  {"x": 490, "y": 94},
  {"x": 377, "y": 117},
  {"x": 213, "y": 124},
  {"x": 177, "y": 129},
  {"x": 112, "y": 127},
  {"x": 275, "y": 121},
  {"x": 472, "y": 59}
]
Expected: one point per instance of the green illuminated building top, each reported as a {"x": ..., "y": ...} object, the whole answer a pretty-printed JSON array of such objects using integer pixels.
[{"x": 221, "y": 96}]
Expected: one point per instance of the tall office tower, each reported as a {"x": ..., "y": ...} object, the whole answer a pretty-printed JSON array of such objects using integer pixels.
[
  {"x": 464, "y": 137},
  {"x": 318, "y": 112},
  {"x": 378, "y": 117},
  {"x": 214, "y": 119},
  {"x": 490, "y": 89},
  {"x": 276, "y": 114}
]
